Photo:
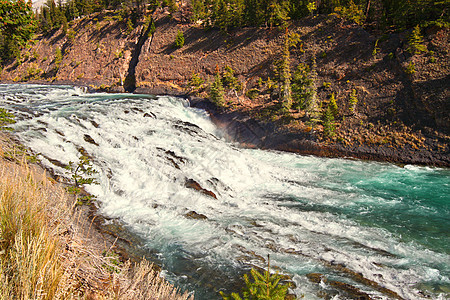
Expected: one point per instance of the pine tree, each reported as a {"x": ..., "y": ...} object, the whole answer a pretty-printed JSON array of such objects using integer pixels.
[
  {"x": 328, "y": 122},
  {"x": 264, "y": 286},
  {"x": 415, "y": 42},
  {"x": 179, "y": 40},
  {"x": 353, "y": 100},
  {"x": 311, "y": 101},
  {"x": 333, "y": 105},
  {"x": 285, "y": 74},
  {"x": 301, "y": 86},
  {"x": 216, "y": 91},
  {"x": 229, "y": 80},
  {"x": 16, "y": 27}
]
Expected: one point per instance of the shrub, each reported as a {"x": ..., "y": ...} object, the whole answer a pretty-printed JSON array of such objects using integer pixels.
[
  {"x": 216, "y": 91},
  {"x": 328, "y": 122},
  {"x": 229, "y": 80},
  {"x": 6, "y": 119},
  {"x": 179, "y": 40},
  {"x": 333, "y": 105},
  {"x": 118, "y": 54},
  {"x": 353, "y": 100},
  {"x": 264, "y": 286},
  {"x": 58, "y": 57},
  {"x": 252, "y": 93},
  {"x": 353, "y": 12},
  {"x": 33, "y": 71},
  {"x": 82, "y": 173},
  {"x": 129, "y": 27},
  {"x": 71, "y": 35},
  {"x": 415, "y": 42},
  {"x": 376, "y": 49},
  {"x": 410, "y": 68}
]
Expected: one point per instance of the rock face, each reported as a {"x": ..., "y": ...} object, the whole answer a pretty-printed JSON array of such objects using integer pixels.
[{"x": 400, "y": 117}]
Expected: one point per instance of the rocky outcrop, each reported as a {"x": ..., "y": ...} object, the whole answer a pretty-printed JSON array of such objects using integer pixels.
[{"x": 400, "y": 117}]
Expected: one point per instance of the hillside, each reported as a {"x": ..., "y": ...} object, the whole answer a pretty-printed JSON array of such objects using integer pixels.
[{"x": 402, "y": 104}]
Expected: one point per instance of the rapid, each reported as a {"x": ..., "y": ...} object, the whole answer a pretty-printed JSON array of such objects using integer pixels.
[{"x": 375, "y": 226}]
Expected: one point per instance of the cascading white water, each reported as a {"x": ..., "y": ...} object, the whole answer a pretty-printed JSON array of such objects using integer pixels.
[{"x": 310, "y": 214}]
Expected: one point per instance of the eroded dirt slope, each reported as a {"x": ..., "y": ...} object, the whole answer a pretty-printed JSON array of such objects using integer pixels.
[{"x": 403, "y": 102}]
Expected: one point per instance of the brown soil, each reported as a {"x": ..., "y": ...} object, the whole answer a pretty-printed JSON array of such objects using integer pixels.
[{"x": 400, "y": 116}]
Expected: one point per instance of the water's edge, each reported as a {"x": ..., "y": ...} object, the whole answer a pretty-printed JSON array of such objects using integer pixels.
[{"x": 250, "y": 134}]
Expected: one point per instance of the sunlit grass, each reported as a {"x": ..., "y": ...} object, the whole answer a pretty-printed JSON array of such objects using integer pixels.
[
  {"x": 45, "y": 253},
  {"x": 29, "y": 249}
]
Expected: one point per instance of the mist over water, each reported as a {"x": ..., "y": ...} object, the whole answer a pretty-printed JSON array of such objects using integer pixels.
[{"x": 388, "y": 223}]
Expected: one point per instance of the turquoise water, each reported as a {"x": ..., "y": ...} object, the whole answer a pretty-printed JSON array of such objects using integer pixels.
[
  {"x": 386, "y": 222},
  {"x": 412, "y": 202}
]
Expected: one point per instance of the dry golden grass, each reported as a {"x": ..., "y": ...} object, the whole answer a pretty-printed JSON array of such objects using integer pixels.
[
  {"x": 30, "y": 266},
  {"x": 45, "y": 253}
]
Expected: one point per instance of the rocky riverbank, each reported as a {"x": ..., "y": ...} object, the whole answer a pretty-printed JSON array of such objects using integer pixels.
[{"x": 401, "y": 116}]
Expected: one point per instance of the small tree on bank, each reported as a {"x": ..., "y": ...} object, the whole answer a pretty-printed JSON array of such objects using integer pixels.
[
  {"x": 179, "y": 40},
  {"x": 328, "y": 122},
  {"x": 216, "y": 91},
  {"x": 263, "y": 286}
]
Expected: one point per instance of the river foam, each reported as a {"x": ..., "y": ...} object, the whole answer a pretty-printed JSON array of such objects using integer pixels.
[{"x": 311, "y": 215}]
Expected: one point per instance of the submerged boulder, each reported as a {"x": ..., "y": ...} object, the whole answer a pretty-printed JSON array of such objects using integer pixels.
[
  {"x": 194, "y": 215},
  {"x": 192, "y": 184}
]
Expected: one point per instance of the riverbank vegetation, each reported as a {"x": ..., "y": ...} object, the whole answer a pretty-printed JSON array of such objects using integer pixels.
[{"x": 47, "y": 250}]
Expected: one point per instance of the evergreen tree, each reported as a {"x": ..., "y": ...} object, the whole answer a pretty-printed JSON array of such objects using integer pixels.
[
  {"x": 333, "y": 105},
  {"x": 415, "y": 42},
  {"x": 16, "y": 27},
  {"x": 301, "y": 86},
  {"x": 311, "y": 100},
  {"x": 353, "y": 100},
  {"x": 328, "y": 122},
  {"x": 216, "y": 91},
  {"x": 285, "y": 74},
  {"x": 263, "y": 286},
  {"x": 229, "y": 80},
  {"x": 179, "y": 40}
]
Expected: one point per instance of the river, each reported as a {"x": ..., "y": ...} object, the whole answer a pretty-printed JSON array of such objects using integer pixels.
[{"x": 345, "y": 219}]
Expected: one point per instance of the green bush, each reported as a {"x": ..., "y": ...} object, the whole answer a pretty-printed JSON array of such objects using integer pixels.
[
  {"x": 353, "y": 100},
  {"x": 81, "y": 173},
  {"x": 264, "y": 286},
  {"x": 6, "y": 119},
  {"x": 252, "y": 93},
  {"x": 415, "y": 42},
  {"x": 58, "y": 57},
  {"x": 216, "y": 91},
  {"x": 179, "y": 40},
  {"x": 229, "y": 80}
]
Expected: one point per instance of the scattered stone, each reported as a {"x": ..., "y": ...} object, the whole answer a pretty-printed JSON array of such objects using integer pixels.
[
  {"x": 149, "y": 115},
  {"x": 90, "y": 140},
  {"x": 194, "y": 215},
  {"x": 353, "y": 292},
  {"x": 192, "y": 184},
  {"x": 95, "y": 124},
  {"x": 316, "y": 277},
  {"x": 59, "y": 132}
]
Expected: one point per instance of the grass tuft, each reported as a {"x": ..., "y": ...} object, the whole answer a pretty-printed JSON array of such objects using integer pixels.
[{"x": 46, "y": 253}]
